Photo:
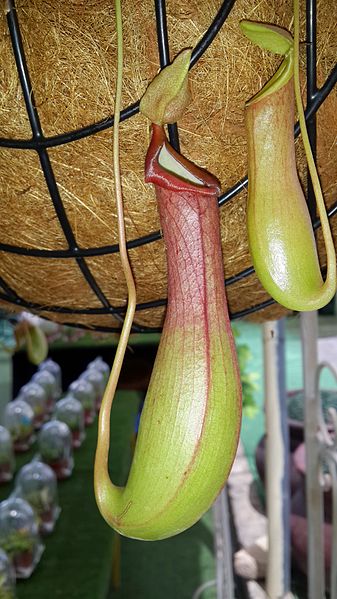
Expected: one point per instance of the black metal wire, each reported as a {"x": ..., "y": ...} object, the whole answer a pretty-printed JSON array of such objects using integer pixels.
[
  {"x": 162, "y": 33},
  {"x": 164, "y": 59},
  {"x": 311, "y": 57},
  {"x": 225, "y": 197},
  {"x": 11, "y": 294},
  {"x": 21, "y": 64},
  {"x": 126, "y": 113},
  {"x": 69, "y": 136},
  {"x": 130, "y": 111},
  {"x": 40, "y": 144},
  {"x": 23, "y": 72}
]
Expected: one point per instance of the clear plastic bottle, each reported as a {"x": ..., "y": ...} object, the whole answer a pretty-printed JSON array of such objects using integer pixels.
[
  {"x": 7, "y": 460},
  {"x": 19, "y": 535},
  {"x": 84, "y": 391},
  {"x": 36, "y": 397},
  {"x": 96, "y": 378},
  {"x": 47, "y": 380},
  {"x": 100, "y": 365},
  {"x": 7, "y": 577},
  {"x": 55, "y": 448},
  {"x": 70, "y": 410},
  {"x": 55, "y": 369},
  {"x": 36, "y": 483},
  {"x": 19, "y": 420}
]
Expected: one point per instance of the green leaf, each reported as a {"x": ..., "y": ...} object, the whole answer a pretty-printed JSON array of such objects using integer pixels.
[
  {"x": 268, "y": 37},
  {"x": 168, "y": 95},
  {"x": 37, "y": 346}
]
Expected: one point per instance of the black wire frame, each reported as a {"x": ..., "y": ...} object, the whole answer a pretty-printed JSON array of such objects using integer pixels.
[{"x": 40, "y": 144}]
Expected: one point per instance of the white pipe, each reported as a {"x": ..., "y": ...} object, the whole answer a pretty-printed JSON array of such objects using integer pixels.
[
  {"x": 277, "y": 462},
  {"x": 314, "y": 499},
  {"x": 223, "y": 548}
]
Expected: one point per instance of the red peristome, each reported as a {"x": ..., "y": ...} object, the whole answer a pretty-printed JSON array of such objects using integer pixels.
[
  {"x": 154, "y": 173},
  {"x": 189, "y": 216}
]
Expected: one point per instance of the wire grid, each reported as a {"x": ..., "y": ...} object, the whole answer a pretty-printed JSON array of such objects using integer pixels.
[{"x": 40, "y": 144}]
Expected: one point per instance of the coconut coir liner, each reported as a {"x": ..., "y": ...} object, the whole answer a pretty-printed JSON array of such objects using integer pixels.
[{"x": 70, "y": 52}]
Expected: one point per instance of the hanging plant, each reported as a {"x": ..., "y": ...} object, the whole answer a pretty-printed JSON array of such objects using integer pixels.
[
  {"x": 190, "y": 423},
  {"x": 280, "y": 234}
]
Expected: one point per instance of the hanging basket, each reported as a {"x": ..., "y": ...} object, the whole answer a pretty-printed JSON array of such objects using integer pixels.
[{"x": 58, "y": 233}]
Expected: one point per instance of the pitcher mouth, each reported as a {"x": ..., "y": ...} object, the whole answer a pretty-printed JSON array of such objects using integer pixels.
[
  {"x": 280, "y": 79},
  {"x": 170, "y": 170}
]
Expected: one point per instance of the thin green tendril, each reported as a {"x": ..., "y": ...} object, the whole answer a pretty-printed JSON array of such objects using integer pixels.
[
  {"x": 102, "y": 452},
  {"x": 330, "y": 281}
]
